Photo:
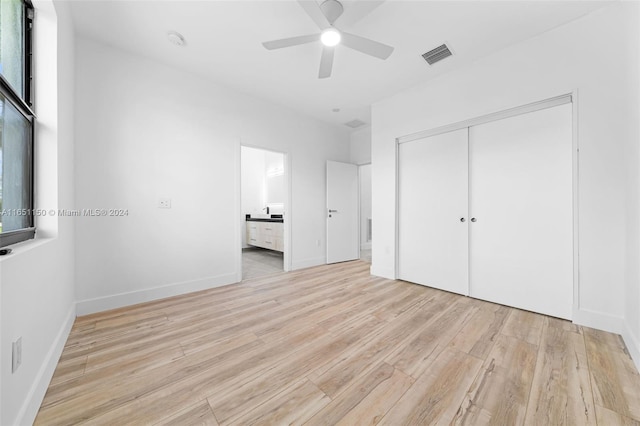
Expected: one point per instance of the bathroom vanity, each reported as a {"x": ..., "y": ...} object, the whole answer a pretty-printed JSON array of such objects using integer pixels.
[{"x": 266, "y": 232}]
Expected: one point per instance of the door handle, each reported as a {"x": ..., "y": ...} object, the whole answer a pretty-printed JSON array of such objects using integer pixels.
[
  {"x": 333, "y": 211},
  {"x": 462, "y": 219},
  {"x": 473, "y": 219}
]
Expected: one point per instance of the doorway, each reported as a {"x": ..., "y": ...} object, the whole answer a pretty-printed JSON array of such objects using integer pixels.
[{"x": 263, "y": 191}]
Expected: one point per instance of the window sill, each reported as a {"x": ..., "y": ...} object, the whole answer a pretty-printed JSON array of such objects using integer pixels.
[{"x": 25, "y": 246}]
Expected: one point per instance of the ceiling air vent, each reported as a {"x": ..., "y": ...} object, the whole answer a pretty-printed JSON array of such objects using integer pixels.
[
  {"x": 355, "y": 123},
  {"x": 437, "y": 54}
]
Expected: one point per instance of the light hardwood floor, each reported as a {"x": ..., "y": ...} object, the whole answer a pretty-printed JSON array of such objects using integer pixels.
[{"x": 333, "y": 345}]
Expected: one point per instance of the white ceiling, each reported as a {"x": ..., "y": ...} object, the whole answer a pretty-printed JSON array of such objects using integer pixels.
[{"x": 224, "y": 43}]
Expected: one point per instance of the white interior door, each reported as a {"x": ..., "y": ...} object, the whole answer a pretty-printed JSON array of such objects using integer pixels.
[
  {"x": 433, "y": 206},
  {"x": 342, "y": 212},
  {"x": 521, "y": 242}
]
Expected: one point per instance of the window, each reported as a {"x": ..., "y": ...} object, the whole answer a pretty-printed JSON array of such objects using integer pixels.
[{"x": 16, "y": 123}]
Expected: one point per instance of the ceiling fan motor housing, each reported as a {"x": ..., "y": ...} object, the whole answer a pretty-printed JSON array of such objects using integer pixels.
[{"x": 332, "y": 9}]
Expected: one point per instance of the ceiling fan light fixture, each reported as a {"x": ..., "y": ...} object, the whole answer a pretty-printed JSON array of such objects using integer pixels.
[
  {"x": 330, "y": 37},
  {"x": 324, "y": 15}
]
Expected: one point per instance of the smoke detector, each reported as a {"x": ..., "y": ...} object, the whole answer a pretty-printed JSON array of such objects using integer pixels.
[{"x": 176, "y": 38}]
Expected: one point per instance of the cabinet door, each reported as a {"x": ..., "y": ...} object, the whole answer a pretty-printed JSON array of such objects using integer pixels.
[
  {"x": 432, "y": 209},
  {"x": 252, "y": 233},
  {"x": 521, "y": 244}
]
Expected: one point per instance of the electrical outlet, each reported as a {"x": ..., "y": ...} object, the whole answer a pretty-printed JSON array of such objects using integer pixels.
[
  {"x": 16, "y": 354},
  {"x": 164, "y": 203}
]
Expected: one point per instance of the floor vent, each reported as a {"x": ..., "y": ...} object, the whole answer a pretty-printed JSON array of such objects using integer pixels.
[
  {"x": 355, "y": 123},
  {"x": 437, "y": 54}
]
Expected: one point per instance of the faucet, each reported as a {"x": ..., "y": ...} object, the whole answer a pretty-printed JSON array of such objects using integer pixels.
[{"x": 267, "y": 209}]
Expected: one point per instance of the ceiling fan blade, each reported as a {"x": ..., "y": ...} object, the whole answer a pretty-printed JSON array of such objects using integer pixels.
[
  {"x": 291, "y": 41},
  {"x": 366, "y": 46},
  {"x": 314, "y": 12},
  {"x": 326, "y": 62}
]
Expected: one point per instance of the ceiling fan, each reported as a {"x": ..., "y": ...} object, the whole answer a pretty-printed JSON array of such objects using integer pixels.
[{"x": 324, "y": 15}]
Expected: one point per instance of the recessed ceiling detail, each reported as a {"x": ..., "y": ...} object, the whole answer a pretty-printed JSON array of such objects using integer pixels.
[
  {"x": 355, "y": 123},
  {"x": 437, "y": 54}
]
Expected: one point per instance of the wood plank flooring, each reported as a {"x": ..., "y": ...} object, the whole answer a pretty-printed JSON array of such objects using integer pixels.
[{"x": 333, "y": 345}]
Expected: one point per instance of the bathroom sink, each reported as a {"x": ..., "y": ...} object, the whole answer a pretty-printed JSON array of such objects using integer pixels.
[
  {"x": 264, "y": 218},
  {"x": 259, "y": 216}
]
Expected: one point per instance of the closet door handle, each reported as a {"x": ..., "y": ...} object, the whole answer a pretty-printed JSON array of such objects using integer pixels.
[
  {"x": 473, "y": 219},
  {"x": 462, "y": 219}
]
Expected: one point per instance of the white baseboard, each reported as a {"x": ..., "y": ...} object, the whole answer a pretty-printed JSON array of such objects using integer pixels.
[
  {"x": 29, "y": 409},
  {"x": 633, "y": 344},
  {"x": 598, "y": 320},
  {"x": 308, "y": 263},
  {"x": 99, "y": 304}
]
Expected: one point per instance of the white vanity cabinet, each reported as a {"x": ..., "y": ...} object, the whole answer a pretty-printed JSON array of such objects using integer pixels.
[{"x": 269, "y": 235}]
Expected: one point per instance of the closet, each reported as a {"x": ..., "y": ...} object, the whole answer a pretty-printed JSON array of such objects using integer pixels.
[{"x": 487, "y": 210}]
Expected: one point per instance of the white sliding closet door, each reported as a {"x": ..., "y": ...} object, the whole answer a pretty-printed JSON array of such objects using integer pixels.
[
  {"x": 521, "y": 242},
  {"x": 433, "y": 206}
]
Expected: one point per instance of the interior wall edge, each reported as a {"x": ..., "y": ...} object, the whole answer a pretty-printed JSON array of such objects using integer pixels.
[
  {"x": 100, "y": 304},
  {"x": 31, "y": 405}
]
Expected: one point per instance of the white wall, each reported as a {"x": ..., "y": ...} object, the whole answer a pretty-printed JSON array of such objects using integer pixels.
[
  {"x": 145, "y": 131},
  {"x": 548, "y": 65},
  {"x": 631, "y": 333},
  {"x": 365, "y": 204},
  {"x": 37, "y": 279},
  {"x": 360, "y": 146}
]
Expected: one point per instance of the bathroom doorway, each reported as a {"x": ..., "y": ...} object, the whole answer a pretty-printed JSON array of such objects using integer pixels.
[{"x": 263, "y": 187}]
